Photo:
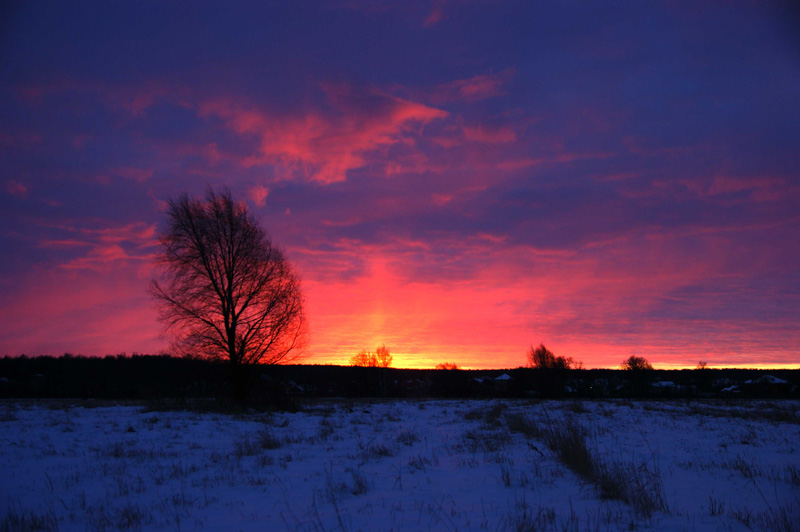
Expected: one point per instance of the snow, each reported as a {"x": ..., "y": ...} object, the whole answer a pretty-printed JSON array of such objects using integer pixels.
[{"x": 396, "y": 465}]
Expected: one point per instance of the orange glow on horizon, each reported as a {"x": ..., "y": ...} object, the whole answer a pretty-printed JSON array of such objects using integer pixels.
[
  {"x": 490, "y": 320},
  {"x": 422, "y": 361}
]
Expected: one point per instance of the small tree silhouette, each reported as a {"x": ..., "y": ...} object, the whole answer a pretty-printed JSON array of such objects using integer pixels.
[
  {"x": 551, "y": 374},
  {"x": 542, "y": 358},
  {"x": 381, "y": 358},
  {"x": 447, "y": 365},
  {"x": 634, "y": 363},
  {"x": 640, "y": 373}
]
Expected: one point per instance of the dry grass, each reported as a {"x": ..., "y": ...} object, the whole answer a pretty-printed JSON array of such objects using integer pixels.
[{"x": 638, "y": 484}]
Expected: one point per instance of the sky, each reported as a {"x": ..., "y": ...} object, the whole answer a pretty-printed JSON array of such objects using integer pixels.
[{"x": 455, "y": 180}]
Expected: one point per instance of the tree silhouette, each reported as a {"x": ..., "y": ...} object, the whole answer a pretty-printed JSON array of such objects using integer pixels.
[
  {"x": 542, "y": 358},
  {"x": 381, "y": 358},
  {"x": 634, "y": 363},
  {"x": 224, "y": 290}
]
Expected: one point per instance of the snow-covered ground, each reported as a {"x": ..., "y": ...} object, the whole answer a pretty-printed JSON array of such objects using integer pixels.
[{"x": 404, "y": 465}]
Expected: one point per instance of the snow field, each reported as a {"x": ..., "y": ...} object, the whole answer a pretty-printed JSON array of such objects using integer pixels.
[{"x": 404, "y": 465}]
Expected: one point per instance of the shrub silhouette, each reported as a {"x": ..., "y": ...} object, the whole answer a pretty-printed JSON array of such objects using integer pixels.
[
  {"x": 542, "y": 358},
  {"x": 551, "y": 374},
  {"x": 634, "y": 363},
  {"x": 381, "y": 358}
]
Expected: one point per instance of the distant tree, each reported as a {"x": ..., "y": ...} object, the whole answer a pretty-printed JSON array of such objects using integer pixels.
[
  {"x": 364, "y": 359},
  {"x": 542, "y": 358},
  {"x": 224, "y": 290},
  {"x": 447, "y": 365},
  {"x": 703, "y": 377},
  {"x": 381, "y": 358},
  {"x": 635, "y": 363}
]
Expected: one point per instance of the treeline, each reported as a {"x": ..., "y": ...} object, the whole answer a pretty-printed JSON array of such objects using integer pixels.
[
  {"x": 161, "y": 376},
  {"x": 111, "y": 377}
]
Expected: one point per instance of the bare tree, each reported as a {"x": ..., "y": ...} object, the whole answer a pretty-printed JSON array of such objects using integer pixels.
[
  {"x": 635, "y": 363},
  {"x": 542, "y": 358},
  {"x": 380, "y": 359},
  {"x": 383, "y": 356},
  {"x": 224, "y": 290}
]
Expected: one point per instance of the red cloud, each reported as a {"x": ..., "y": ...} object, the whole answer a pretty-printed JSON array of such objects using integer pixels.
[
  {"x": 436, "y": 15},
  {"x": 15, "y": 188},
  {"x": 259, "y": 195},
  {"x": 489, "y": 135},
  {"x": 473, "y": 89},
  {"x": 131, "y": 243},
  {"x": 324, "y": 146},
  {"x": 137, "y": 174},
  {"x": 760, "y": 188}
]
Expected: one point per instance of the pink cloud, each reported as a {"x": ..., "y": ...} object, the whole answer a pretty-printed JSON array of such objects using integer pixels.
[
  {"x": 139, "y": 99},
  {"x": 19, "y": 138},
  {"x": 721, "y": 189},
  {"x": 140, "y": 175},
  {"x": 490, "y": 135},
  {"x": 413, "y": 163},
  {"x": 107, "y": 247},
  {"x": 473, "y": 89},
  {"x": 259, "y": 195},
  {"x": 760, "y": 188},
  {"x": 436, "y": 15},
  {"x": 518, "y": 164},
  {"x": 102, "y": 257},
  {"x": 134, "y": 98},
  {"x": 17, "y": 189},
  {"x": 323, "y": 147},
  {"x": 442, "y": 199}
]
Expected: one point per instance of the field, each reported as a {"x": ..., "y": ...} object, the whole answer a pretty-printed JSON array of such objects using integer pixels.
[{"x": 404, "y": 465}]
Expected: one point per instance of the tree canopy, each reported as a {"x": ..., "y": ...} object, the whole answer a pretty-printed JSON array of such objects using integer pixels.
[
  {"x": 224, "y": 290},
  {"x": 381, "y": 358},
  {"x": 635, "y": 363},
  {"x": 542, "y": 358}
]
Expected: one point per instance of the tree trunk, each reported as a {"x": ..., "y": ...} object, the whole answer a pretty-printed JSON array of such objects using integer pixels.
[{"x": 240, "y": 383}]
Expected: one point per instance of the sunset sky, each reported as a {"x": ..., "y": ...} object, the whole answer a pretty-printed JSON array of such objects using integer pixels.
[{"x": 456, "y": 180}]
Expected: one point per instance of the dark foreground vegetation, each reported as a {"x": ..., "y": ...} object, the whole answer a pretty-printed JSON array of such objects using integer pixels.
[{"x": 161, "y": 376}]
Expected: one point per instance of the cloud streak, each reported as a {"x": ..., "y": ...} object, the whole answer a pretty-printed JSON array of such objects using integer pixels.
[{"x": 325, "y": 147}]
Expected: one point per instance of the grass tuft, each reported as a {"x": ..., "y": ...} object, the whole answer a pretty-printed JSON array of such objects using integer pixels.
[
  {"x": 253, "y": 444},
  {"x": 637, "y": 484},
  {"x": 407, "y": 437},
  {"x": 29, "y": 522},
  {"x": 523, "y": 424}
]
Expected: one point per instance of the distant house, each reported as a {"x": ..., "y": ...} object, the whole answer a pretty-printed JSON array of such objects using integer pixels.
[
  {"x": 664, "y": 385},
  {"x": 766, "y": 379}
]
